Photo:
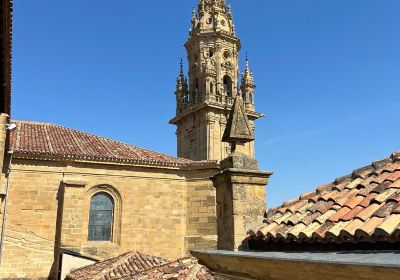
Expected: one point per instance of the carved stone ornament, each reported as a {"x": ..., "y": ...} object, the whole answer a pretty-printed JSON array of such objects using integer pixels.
[{"x": 238, "y": 128}]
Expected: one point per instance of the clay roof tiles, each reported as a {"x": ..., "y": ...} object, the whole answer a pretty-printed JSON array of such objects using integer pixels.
[
  {"x": 364, "y": 206},
  {"x": 135, "y": 265},
  {"x": 45, "y": 139}
]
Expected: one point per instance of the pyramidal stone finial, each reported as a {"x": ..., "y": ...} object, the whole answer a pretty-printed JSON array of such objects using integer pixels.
[
  {"x": 238, "y": 132},
  {"x": 238, "y": 128}
]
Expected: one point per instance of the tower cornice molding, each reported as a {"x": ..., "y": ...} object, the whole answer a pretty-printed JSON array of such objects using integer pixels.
[
  {"x": 218, "y": 34},
  {"x": 252, "y": 115}
]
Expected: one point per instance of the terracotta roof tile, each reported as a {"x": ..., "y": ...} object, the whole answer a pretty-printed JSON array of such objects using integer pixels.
[
  {"x": 353, "y": 213},
  {"x": 394, "y": 176},
  {"x": 382, "y": 177},
  {"x": 308, "y": 219},
  {"x": 324, "y": 217},
  {"x": 268, "y": 228},
  {"x": 325, "y": 188},
  {"x": 392, "y": 167},
  {"x": 368, "y": 212},
  {"x": 273, "y": 233},
  {"x": 368, "y": 181},
  {"x": 339, "y": 214},
  {"x": 368, "y": 228},
  {"x": 320, "y": 232},
  {"x": 367, "y": 200},
  {"x": 380, "y": 188},
  {"x": 349, "y": 231},
  {"x": 307, "y": 195},
  {"x": 283, "y": 231},
  {"x": 385, "y": 210},
  {"x": 361, "y": 207},
  {"x": 295, "y": 231},
  {"x": 321, "y": 207},
  {"x": 397, "y": 210},
  {"x": 334, "y": 232},
  {"x": 342, "y": 200},
  {"x": 363, "y": 172},
  {"x": 384, "y": 196},
  {"x": 309, "y": 230},
  {"x": 44, "y": 139},
  {"x": 354, "y": 184},
  {"x": 367, "y": 190},
  {"x": 351, "y": 203},
  {"x": 296, "y": 218},
  {"x": 388, "y": 226},
  {"x": 135, "y": 266},
  {"x": 330, "y": 195},
  {"x": 395, "y": 197},
  {"x": 297, "y": 206}
]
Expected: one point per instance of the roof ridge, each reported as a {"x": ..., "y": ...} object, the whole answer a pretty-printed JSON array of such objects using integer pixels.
[
  {"x": 169, "y": 262},
  {"x": 123, "y": 260},
  {"x": 100, "y": 137}
]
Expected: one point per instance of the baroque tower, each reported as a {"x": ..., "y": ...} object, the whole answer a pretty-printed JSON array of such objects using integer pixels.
[{"x": 204, "y": 101}]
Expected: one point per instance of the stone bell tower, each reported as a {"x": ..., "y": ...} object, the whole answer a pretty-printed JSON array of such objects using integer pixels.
[{"x": 203, "y": 101}]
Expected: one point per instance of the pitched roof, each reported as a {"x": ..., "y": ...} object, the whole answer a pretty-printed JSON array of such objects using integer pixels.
[
  {"x": 134, "y": 265},
  {"x": 45, "y": 139},
  {"x": 361, "y": 207}
]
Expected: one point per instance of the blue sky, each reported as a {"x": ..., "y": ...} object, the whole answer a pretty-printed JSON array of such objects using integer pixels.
[{"x": 327, "y": 74}]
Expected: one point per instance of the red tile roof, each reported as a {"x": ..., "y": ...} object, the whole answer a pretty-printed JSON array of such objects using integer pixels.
[
  {"x": 45, "y": 139},
  {"x": 134, "y": 265},
  {"x": 361, "y": 207}
]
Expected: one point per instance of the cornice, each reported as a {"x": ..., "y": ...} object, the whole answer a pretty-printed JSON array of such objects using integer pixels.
[{"x": 191, "y": 165}]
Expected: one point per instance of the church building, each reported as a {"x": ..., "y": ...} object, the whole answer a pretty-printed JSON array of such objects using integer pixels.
[{"x": 69, "y": 194}]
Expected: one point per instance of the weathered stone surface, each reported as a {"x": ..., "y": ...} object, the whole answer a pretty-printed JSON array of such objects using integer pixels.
[
  {"x": 241, "y": 201},
  {"x": 160, "y": 211},
  {"x": 238, "y": 127},
  {"x": 239, "y": 161}
]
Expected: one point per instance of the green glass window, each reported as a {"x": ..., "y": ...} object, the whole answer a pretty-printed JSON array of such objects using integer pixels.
[{"x": 101, "y": 217}]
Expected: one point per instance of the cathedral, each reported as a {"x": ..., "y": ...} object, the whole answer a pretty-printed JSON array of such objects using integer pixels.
[{"x": 71, "y": 197}]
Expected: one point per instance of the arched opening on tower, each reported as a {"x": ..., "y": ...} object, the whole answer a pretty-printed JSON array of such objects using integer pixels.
[
  {"x": 196, "y": 87},
  {"x": 196, "y": 84},
  {"x": 228, "y": 85}
]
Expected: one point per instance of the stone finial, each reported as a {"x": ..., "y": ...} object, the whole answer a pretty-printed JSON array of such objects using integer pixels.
[{"x": 238, "y": 128}]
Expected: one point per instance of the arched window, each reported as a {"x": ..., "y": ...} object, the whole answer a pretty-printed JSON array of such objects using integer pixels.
[
  {"x": 251, "y": 98},
  {"x": 228, "y": 85},
  {"x": 196, "y": 84},
  {"x": 211, "y": 88},
  {"x": 101, "y": 217}
]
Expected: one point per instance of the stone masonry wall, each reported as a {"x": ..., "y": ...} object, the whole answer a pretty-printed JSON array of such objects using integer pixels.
[
  {"x": 201, "y": 215},
  {"x": 161, "y": 212}
]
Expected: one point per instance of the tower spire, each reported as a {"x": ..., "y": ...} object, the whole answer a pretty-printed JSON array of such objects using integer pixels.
[
  {"x": 205, "y": 98},
  {"x": 181, "y": 74},
  {"x": 181, "y": 80},
  {"x": 248, "y": 87}
]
